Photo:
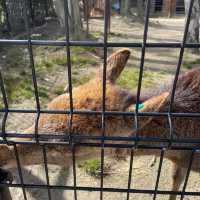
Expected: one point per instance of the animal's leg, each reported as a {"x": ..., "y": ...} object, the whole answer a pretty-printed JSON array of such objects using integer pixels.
[{"x": 178, "y": 177}]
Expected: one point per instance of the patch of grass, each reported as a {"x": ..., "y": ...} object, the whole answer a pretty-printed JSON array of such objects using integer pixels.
[
  {"x": 189, "y": 64},
  {"x": 82, "y": 61},
  {"x": 18, "y": 88},
  {"x": 80, "y": 80},
  {"x": 78, "y": 50},
  {"x": 43, "y": 92},
  {"x": 77, "y": 60},
  {"x": 114, "y": 34},
  {"x": 34, "y": 36},
  {"x": 15, "y": 58},
  {"x": 59, "y": 90},
  {"x": 129, "y": 78},
  {"x": 95, "y": 35},
  {"x": 60, "y": 60},
  {"x": 18, "y": 78},
  {"x": 43, "y": 67},
  {"x": 91, "y": 167}
]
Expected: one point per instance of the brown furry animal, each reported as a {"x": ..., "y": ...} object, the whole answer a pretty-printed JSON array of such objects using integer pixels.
[
  {"x": 85, "y": 97},
  {"x": 89, "y": 97},
  {"x": 187, "y": 99}
]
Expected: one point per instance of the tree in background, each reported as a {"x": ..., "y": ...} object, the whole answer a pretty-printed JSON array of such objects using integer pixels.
[
  {"x": 128, "y": 5},
  {"x": 169, "y": 7},
  {"x": 75, "y": 23},
  {"x": 74, "y": 17},
  {"x": 193, "y": 32},
  {"x": 126, "y": 8}
]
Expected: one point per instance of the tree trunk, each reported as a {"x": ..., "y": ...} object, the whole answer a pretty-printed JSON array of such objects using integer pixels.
[
  {"x": 125, "y": 8},
  {"x": 169, "y": 7},
  {"x": 75, "y": 23},
  {"x": 140, "y": 9},
  {"x": 193, "y": 31},
  {"x": 74, "y": 18}
]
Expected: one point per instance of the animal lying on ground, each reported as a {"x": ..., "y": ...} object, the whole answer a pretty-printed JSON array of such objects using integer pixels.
[{"x": 89, "y": 97}]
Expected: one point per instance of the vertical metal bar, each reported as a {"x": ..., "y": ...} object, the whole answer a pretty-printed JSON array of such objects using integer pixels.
[
  {"x": 32, "y": 66},
  {"x": 105, "y": 49},
  {"x": 36, "y": 127},
  {"x": 20, "y": 171},
  {"x": 131, "y": 160},
  {"x": 74, "y": 170},
  {"x": 147, "y": 11},
  {"x": 4, "y": 126},
  {"x": 180, "y": 56},
  {"x": 4, "y": 191},
  {"x": 67, "y": 33},
  {"x": 187, "y": 175},
  {"x": 5, "y": 101},
  {"x": 159, "y": 172},
  {"x": 70, "y": 120},
  {"x": 171, "y": 132},
  {"x": 102, "y": 167},
  {"x": 130, "y": 173},
  {"x": 139, "y": 87},
  {"x": 46, "y": 171}
]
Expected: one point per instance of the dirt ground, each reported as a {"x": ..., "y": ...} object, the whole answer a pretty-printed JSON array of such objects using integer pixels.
[{"x": 144, "y": 170}]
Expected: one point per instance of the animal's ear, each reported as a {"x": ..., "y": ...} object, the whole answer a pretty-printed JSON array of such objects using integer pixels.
[
  {"x": 154, "y": 104},
  {"x": 116, "y": 63}
]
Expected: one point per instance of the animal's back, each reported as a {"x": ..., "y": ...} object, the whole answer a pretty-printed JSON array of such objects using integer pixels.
[{"x": 187, "y": 100}]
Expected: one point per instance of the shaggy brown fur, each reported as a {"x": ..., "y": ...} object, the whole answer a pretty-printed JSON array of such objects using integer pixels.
[
  {"x": 89, "y": 97},
  {"x": 187, "y": 99}
]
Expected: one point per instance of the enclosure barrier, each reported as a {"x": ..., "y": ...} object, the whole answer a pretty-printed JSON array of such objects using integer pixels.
[{"x": 99, "y": 141}]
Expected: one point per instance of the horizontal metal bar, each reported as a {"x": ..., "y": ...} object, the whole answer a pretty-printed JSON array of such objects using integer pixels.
[
  {"x": 110, "y": 145},
  {"x": 62, "y": 43},
  {"x": 78, "y": 137},
  {"x": 105, "y": 189},
  {"x": 108, "y": 113}
]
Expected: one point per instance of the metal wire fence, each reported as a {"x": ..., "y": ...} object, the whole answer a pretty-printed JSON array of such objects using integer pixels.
[{"x": 101, "y": 142}]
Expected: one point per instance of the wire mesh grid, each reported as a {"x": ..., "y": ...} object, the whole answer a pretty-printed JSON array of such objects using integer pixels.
[{"x": 102, "y": 142}]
